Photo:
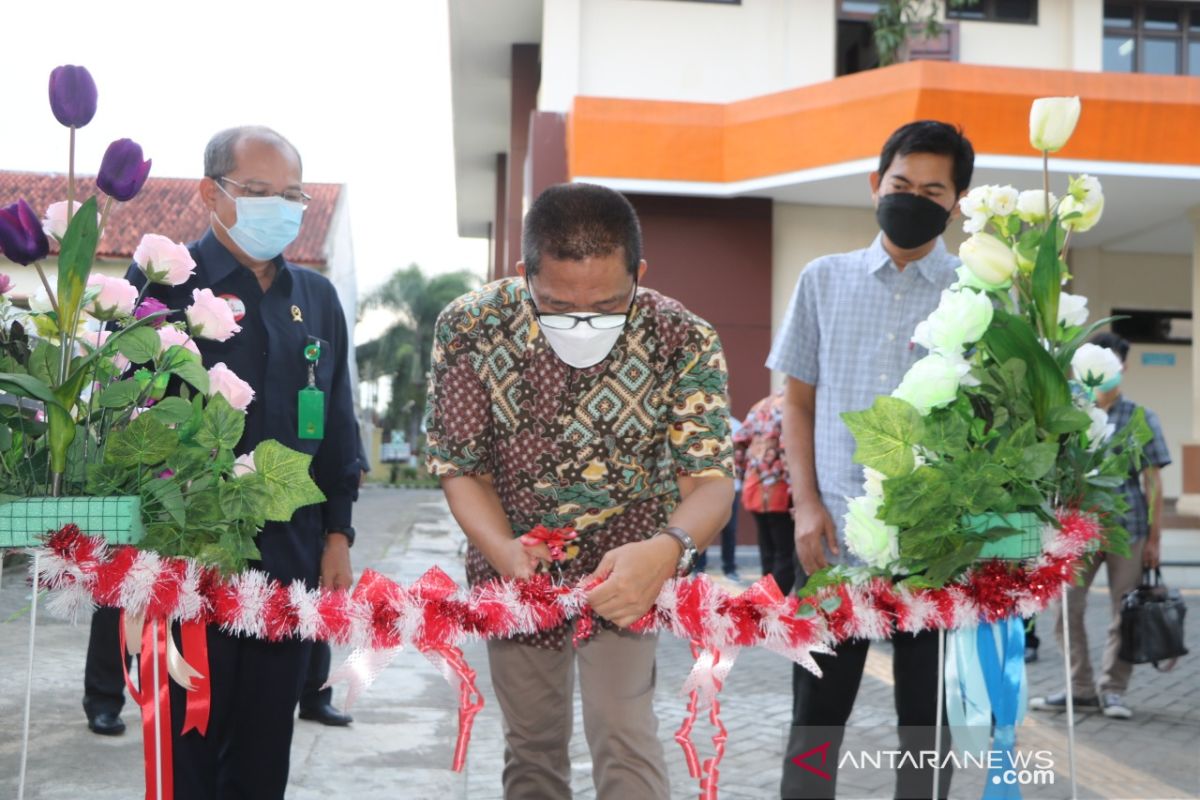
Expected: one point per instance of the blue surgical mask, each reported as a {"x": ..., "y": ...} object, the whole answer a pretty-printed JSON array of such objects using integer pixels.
[
  {"x": 265, "y": 225},
  {"x": 1111, "y": 383}
]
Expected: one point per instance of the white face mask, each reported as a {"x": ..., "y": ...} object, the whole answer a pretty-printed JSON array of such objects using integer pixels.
[{"x": 582, "y": 346}]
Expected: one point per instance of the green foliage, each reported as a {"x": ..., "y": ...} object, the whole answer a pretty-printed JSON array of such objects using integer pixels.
[
  {"x": 897, "y": 21},
  {"x": 885, "y": 435}
]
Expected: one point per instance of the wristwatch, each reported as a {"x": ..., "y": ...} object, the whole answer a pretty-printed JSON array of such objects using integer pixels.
[
  {"x": 687, "y": 559},
  {"x": 347, "y": 531}
]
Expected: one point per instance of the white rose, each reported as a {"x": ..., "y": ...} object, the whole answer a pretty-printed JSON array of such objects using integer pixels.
[
  {"x": 55, "y": 222},
  {"x": 873, "y": 482},
  {"x": 1002, "y": 201},
  {"x": 867, "y": 536},
  {"x": 960, "y": 319},
  {"x": 39, "y": 301},
  {"x": 991, "y": 260},
  {"x": 1094, "y": 365},
  {"x": 1072, "y": 310},
  {"x": 1101, "y": 429},
  {"x": 932, "y": 382},
  {"x": 1032, "y": 205},
  {"x": 163, "y": 260},
  {"x": 1052, "y": 121},
  {"x": 975, "y": 223}
]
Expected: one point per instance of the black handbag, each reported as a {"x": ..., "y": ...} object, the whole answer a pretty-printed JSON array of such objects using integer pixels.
[{"x": 1152, "y": 623}]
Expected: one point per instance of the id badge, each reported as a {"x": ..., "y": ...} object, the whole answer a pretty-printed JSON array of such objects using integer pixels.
[{"x": 310, "y": 413}]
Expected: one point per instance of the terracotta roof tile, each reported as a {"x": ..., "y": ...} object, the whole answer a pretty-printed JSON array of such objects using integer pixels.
[{"x": 169, "y": 206}]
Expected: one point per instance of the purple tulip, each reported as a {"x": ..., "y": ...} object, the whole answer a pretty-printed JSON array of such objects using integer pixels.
[
  {"x": 72, "y": 95},
  {"x": 21, "y": 236},
  {"x": 122, "y": 171},
  {"x": 150, "y": 306}
]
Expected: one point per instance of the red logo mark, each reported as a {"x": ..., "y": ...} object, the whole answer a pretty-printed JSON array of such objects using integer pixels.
[{"x": 824, "y": 751}]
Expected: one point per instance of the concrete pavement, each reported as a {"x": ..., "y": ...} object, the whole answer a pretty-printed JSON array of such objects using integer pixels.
[{"x": 400, "y": 745}]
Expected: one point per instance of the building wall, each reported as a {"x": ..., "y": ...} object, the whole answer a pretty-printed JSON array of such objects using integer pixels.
[
  {"x": 638, "y": 49},
  {"x": 1067, "y": 35}
]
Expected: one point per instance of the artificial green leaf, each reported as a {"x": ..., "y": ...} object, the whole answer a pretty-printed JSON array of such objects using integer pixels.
[
  {"x": 945, "y": 433},
  {"x": 172, "y": 410},
  {"x": 122, "y": 394},
  {"x": 188, "y": 460},
  {"x": 145, "y": 441},
  {"x": 166, "y": 495},
  {"x": 22, "y": 385},
  {"x": 1010, "y": 337},
  {"x": 181, "y": 362},
  {"x": 1047, "y": 282},
  {"x": 916, "y": 496},
  {"x": 221, "y": 426},
  {"x": 45, "y": 362},
  {"x": 885, "y": 435},
  {"x": 75, "y": 257},
  {"x": 6, "y": 437},
  {"x": 140, "y": 345},
  {"x": 286, "y": 474},
  {"x": 245, "y": 498},
  {"x": 942, "y": 569},
  {"x": 60, "y": 434},
  {"x": 1038, "y": 460},
  {"x": 1066, "y": 419}
]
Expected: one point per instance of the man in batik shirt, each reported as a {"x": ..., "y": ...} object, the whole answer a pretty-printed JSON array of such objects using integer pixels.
[{"x": 568, "y": 396}]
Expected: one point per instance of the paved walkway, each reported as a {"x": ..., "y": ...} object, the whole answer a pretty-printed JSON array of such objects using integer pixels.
[{"x": 400, "y": 745}]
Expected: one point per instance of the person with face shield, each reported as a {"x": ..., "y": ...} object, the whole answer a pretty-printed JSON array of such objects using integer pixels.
[
  {"x": 844, "y": 340},
  {"x": 568, "y": 396},
  {"x": 292, "y": 349}
]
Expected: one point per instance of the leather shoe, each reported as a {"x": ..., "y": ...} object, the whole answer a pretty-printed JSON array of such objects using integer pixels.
[
  {"x": 326, "y": 714},
  {"x": 106, "y": 723}
]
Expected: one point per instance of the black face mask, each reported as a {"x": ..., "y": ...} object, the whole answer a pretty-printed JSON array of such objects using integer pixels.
[{"x": 910, "y": 220}]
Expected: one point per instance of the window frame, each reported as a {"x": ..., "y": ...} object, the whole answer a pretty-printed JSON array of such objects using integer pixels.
[
  {"x": 1183, "y": 36},
  {"x": 988, "y": 8}
]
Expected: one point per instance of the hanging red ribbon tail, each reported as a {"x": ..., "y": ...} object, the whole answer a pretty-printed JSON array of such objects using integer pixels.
[
  {"x": 708, "y": 784},
  {"x": 153, "y": 647},
  {"x": 453, "y": 665},
  {"x": 194, "y": 636},
  {"x": 703, "y": 686}
]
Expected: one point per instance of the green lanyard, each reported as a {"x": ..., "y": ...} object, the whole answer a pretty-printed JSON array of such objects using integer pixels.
[{"x": 310, "y": 401}]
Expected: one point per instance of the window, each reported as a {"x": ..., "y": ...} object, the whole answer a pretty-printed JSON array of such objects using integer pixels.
[
  {"x": 1020, "y": 11},
  {"x": 1155, "y": 38}
]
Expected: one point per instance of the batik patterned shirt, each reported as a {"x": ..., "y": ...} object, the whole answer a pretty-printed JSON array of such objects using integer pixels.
[
  {"x": 758, "y": 453},
  {"x": 599, "y": 449}
]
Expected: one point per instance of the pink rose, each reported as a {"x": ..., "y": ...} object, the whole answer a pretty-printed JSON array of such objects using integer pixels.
[
  {"x": 210, "y": 317},
  {"x": 97, "y": 340},
  {"x": 164, "y": 261},
  {"x": 243, "y": 465},
  {"x": 55, "y": 222},
  {"x": 117, "y": 297},
  {"x": 223, "y": 380},
  {"x": 170, "y": 335},
  {"x": 5, "y": 283}
]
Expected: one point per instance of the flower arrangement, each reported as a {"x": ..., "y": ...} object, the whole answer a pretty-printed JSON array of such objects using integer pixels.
[
  {"x": 996, "y": 429},
  {"x": 109, "y": 397}
]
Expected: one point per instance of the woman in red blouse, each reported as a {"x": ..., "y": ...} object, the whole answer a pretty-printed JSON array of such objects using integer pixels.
[{"x": 758, "y": 453}]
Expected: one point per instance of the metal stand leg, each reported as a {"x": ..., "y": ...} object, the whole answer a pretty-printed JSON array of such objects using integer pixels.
[
  {"x": 941, "y": 699},
  {"x": 29, "y": 679},
  {"x": 1070, "y": 693}
]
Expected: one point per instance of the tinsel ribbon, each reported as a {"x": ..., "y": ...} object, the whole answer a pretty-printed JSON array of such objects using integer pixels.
[
  {"x": 150, "y": 644},
  {"x": 194, "y": 636},
  {"x": 705, "y": 682},
  {"x": 453, "y": 664}
]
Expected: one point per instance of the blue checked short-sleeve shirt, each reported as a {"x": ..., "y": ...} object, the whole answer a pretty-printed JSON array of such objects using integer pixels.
[
  {"x": 847, "y": 331},
  {"x": 1154, "y": 453}
]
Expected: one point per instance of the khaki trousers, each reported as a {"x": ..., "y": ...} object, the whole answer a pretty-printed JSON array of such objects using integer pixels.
[
  {"x": 1123, "y": 576},
  {"x": 536, "y": 689}
]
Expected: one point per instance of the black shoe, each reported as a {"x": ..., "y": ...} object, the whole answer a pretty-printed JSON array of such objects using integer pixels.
[
  {"x": 1058, "y": 702},
  {"x": 1030, "y": 655},
  {"x": 106, "y": 723},
  {"x": 326, "y": 714}
]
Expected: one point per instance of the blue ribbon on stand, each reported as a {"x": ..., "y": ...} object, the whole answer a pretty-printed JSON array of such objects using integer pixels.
[
  {"x": 968, "y": 709},
  {"x": 1004, "y": 674}
]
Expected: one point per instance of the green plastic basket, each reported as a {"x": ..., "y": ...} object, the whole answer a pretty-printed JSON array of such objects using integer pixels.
[
  {"x": 25, "y": 523},
  {"x": 1025, "y": 544}
]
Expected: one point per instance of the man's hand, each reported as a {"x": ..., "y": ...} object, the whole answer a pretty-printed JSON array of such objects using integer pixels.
[
  {"x": 1151, "y": 552},
  {"x": 515, "y": 560},
  {"x": 335, "y": 563},
  {"x": 814, "y": 531},
  {"x": 633, "y": 575}
]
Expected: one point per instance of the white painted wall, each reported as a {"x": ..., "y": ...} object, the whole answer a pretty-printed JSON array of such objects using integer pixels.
[
  {"x": 699, "y": 52},
  {"x": 1047, "y": 45}
]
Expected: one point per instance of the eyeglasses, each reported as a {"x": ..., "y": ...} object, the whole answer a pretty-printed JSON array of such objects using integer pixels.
[
  {"x": 567, "y": 322},
  {"x": 261, "y": 189}
]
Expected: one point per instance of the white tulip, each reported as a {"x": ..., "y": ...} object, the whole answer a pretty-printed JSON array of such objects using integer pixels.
[
  {"x": 991, "y": 260},
  {"x": 1072, "y": 310},
  {"x": 1052, "y": 121},
  {"x": 1085, "y": 196},
  {"x": 1032, "y": 205},
  {"x": 1002, "y": 201},
  {"x": 1101, "y": 430}
]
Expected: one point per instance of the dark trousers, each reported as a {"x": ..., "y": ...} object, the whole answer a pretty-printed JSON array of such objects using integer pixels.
[
  {"x": 245, "y": 756},
  {"x": 313, "y": 695},
  {"x": 821, "y": 707},
  {"x": 103, "y": 676},
  {"x": 728, "y": 543},
  {"x": 777, "y": 547}
]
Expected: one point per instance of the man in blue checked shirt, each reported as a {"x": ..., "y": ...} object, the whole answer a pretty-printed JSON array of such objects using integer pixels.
[{"x": 844, "y": 340}]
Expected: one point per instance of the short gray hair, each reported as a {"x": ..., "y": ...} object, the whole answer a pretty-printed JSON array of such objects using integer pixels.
[{"x": 219, "y": 160}]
